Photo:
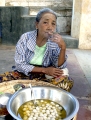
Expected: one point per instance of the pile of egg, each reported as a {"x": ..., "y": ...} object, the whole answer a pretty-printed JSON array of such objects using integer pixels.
[{"x": 46, "y": 110}]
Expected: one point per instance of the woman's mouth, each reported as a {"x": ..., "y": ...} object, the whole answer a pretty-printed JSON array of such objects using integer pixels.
[{"x": 49, "y": 35}]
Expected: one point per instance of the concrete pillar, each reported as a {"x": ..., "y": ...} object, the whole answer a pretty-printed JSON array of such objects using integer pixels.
[
  {"x": 2, "y": 2},
  {"x": 81, "y": 23},
  {"x": 85, "y": 26},
  {"x": 76, "y": 16}
]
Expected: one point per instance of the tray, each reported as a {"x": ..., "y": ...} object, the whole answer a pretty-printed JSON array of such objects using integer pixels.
[{"x": 7, "y": 87}]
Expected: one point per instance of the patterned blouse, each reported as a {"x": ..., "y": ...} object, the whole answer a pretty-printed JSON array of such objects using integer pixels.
[{"x": 25, "y": 51}]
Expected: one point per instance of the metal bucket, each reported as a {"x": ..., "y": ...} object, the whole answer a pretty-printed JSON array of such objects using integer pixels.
[{"x": 66, "y": 99}]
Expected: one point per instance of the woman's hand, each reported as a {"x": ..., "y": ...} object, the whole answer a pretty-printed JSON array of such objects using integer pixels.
[
  {"x": 55, "y": 72},
  {"x": 58, "y": 39}
]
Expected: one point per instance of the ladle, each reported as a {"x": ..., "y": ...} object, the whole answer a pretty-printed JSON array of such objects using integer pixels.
[{"x": 32, "y": 94}]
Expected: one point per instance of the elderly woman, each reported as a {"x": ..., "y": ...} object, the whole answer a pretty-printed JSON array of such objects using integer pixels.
[
  {"x": 41, "y": 54},
  {"x": 42, "y": 50}
]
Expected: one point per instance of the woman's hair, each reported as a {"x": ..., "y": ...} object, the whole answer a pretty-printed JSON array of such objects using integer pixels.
[{"x": 42, "y": 11}]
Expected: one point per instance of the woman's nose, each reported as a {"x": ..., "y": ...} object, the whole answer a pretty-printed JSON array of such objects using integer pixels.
[{"x": 50, "y": 26}]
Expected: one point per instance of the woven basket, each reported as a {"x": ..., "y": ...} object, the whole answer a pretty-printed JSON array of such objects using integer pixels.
[{"x": 7, "y": 87}]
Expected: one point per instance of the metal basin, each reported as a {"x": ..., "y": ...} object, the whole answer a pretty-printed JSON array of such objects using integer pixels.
[{"x": 66, "y": 99}]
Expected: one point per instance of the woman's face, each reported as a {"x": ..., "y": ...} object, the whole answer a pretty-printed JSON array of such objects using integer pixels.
[{"x": 46, "y": 25}]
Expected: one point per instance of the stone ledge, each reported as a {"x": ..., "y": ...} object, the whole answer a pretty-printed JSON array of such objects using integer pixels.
[
  {"x": 52, "y": 7},
  {"x": 70, "y": 41}
]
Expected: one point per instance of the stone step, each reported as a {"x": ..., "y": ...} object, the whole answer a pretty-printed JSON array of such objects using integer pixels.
[{"x": 70, "y": 41}]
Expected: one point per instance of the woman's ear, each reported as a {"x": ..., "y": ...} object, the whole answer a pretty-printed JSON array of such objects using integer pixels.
[{"x": 36, "y": 24}]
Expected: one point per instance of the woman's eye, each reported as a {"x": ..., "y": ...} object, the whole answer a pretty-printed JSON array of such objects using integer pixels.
[
  {"x": 45, "y": 22},
  {"x": 53, "y": 24}
]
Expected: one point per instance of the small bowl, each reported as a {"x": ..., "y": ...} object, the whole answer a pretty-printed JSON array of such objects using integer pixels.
[
  {"x": 3, "y": 103},
  {"x": 18, "y": 87}
]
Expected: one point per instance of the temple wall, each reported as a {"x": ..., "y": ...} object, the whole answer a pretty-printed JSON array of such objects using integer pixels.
[
  {"x": 62, "y": 7},
  {"x": 55, "y": 3},
  {"x": 81, "y": 23},
  {"x": 74, "y": 16},
  {"x": 2, "y": 2},
  {"x": 85, "y": 26}
]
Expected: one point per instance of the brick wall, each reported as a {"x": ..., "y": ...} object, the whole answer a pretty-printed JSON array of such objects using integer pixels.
[{"x": 53, "y": 3}]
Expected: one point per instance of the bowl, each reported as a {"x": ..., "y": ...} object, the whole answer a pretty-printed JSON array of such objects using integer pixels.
[
  {"x": 64, "y": 98},
  {"x": 3, "y": 102}
]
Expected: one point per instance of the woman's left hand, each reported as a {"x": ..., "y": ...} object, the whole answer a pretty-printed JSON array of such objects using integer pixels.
[{"x": 58, "y": 39}]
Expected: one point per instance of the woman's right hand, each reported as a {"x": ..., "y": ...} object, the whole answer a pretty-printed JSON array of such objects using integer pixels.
[{"x": 55, "y": 72}]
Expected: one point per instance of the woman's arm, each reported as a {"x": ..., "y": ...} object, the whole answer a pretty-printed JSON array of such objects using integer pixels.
[
  {"x": 62, "y": 55},
  {"x": 22, "y": 55},
  {"x": 52, "y": 71},
  {"x": 58, "y": 39}
]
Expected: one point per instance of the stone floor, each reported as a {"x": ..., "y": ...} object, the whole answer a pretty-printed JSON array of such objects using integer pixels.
[{"x": 79, "y": 65}]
